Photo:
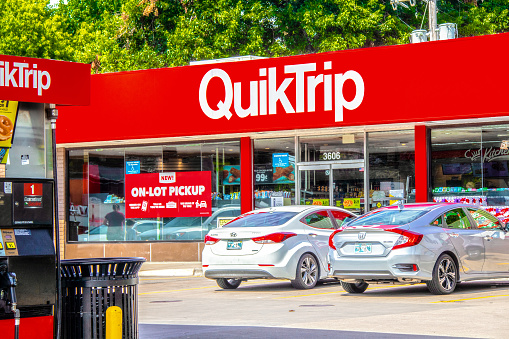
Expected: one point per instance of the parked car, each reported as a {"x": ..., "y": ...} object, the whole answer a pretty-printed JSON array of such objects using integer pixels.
[
  {"x": 439, "y": 244},
  {"x": 289, "y": 242},
  {"x": 94, "y": 234},
  {"x": 136, "y": 227},
  {"x": 191, "y": 228}
]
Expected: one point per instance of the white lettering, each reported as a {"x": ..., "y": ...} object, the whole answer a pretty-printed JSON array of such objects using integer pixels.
[
  {"x": 223, "y": 106},
  {"x": 340, "y": 99},
  {"x": 253, "y": 99},
  {"x": 299, "y": 71},
  {"x": 134, "y": 192},
  {"x": 41, "y": 80},
  {"x": 40, "y": 85},
  {"x": 278, "y": 94},
  {"x": 265, "y": 93}
]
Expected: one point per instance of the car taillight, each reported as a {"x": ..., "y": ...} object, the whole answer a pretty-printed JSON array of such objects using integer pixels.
[
  {"x": 210, "y": 241},
  {"x": 406, "y": 239},
  {"x": 331, "y": 238},
  {"x": 273, "y": 238}
]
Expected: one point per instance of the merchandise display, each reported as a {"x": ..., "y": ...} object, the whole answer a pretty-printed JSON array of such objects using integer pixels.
[
  {"x": 501, "y": 212},
  {"x": 268, "y": 194},
  {"x": 475, "y": 200}
]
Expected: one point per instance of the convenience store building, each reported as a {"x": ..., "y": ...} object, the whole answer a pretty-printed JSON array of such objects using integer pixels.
[{"x": 358, "y": 129}]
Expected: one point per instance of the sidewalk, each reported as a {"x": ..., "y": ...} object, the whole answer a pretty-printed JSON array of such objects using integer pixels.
[{"x": 171, "y": 269}]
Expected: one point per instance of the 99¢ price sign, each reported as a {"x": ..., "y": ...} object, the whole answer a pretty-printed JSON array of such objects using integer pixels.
[{"x": 263, "y": 174}]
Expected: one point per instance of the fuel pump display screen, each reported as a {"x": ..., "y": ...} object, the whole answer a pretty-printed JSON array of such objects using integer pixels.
[{"x": 32, "y": 203}]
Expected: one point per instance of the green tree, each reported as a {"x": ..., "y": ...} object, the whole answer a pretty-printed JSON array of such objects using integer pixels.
[
  {"x": 30, "y": 28},
  {"x": 118, "y": 35}
]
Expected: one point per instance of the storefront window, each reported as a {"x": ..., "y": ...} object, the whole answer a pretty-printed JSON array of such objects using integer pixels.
[
  {"x": 98, "y": 197},
  {"x": 332, "y": 147},
  {"x": 391, "y": 167},
  {"x": 274, "y": 172},
  {"x": 27, "y": 157},
  {"x": 469, "y": 165}
]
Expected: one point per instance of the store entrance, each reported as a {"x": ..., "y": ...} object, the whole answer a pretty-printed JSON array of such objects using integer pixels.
[{"x": 336, "y": 184}]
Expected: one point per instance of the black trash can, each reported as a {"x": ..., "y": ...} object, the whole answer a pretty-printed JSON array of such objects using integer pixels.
[{"x": 90, "y": 286}]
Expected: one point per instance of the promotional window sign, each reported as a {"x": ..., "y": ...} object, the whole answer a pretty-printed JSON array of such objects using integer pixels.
[
  {"x": 169, "y": 194},
  {"x": 8, "y": 113},
  {"x": 132, "y": 167},
  {"x": 283, "y": 168},
  {"x": 352, "y": 203},
  {"x": 231, "y": 175},
  {"x": 4, "y": 154},
  {"x": 263, "y": 174}
]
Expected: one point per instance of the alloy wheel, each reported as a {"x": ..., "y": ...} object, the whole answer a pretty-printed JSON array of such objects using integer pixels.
[
  {"x": 447, "y": 274},
  {"x": 309, "y": 270}
]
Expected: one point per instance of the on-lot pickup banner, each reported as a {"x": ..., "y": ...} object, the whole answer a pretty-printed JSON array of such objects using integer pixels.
[{"x": 169, "y": 194}]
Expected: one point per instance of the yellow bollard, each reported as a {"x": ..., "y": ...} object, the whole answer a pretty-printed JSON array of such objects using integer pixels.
[{"x": 113, "y": 322}]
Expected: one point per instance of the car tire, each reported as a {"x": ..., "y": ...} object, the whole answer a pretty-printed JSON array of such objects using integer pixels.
[
  {"x": 307, "y": 273},
  {"x": 228, "y": 284},
  {"x": 444, "y": 277},
  {"x": 358, "y": 287}
]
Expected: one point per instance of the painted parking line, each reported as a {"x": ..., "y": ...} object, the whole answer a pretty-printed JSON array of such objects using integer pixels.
[
  {"x": 467, "y": 299},
  {"x": 343, "y": 291},
  {"x": 180, "y": 290},
  {"x": 171, "y": 278},
  {"x": 196, "y": 288}
]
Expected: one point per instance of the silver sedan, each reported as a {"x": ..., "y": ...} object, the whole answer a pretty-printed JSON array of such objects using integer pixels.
[
  {"x": 439, "y": 244},
  {"x": 289, "y": 242}
]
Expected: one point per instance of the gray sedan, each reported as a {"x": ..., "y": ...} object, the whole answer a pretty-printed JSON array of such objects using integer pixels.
[{"x": 439, "y": 244}]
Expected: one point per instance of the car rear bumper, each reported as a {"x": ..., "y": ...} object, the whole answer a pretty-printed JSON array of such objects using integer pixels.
[
  {"x": 384, "y": 268},
  {"x": 249, "y": 272},
  {"x": 237, "y": 274}
]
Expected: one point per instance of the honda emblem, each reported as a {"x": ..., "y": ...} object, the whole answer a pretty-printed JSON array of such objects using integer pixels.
[
  {"x": 233, "y": 234},
  {"x": 362, "y": 235}
]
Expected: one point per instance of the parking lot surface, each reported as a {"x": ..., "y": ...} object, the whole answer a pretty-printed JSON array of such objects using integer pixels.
[{"x": 195, "y": 307}]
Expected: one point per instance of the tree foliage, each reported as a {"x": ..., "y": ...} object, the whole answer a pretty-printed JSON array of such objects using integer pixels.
[
  {"x": 30, "y": 28},
  {"x": 117, "y": 35}
]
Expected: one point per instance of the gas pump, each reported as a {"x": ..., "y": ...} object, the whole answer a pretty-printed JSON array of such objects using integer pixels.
[{"x": 27, "y": 259}]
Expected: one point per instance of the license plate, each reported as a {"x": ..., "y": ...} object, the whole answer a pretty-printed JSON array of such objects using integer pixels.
[
  {"x": 364, "y": 248},
  {"x": 234, "y": 245}
]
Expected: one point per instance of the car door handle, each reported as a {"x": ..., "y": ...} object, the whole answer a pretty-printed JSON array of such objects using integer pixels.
[
  {"x": 312, "y": 234},
  {"x": 488, "y": 237}
]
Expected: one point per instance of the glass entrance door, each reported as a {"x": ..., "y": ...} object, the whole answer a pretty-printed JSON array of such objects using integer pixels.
[
  {"x": 315, "y": 185},
  {"x": 336, "y": 184},
  {"x": 348, "y": 188}
]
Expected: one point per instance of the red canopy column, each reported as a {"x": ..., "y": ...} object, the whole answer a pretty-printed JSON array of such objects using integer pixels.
[
  {"x": 246, "y": 181},
  {"x": 422, "y": 177}
]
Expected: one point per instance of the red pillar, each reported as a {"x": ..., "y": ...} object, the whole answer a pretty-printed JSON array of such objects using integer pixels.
[
  {"x": 246, "y": 181},
  {"x": 422, "y": 179}
]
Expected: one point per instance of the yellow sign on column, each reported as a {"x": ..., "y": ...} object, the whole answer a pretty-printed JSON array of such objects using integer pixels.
[{"x": 8, "y": 112}]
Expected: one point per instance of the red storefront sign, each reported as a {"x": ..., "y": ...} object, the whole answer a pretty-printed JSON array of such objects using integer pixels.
[
  {"x": 170, "y": 194},
  {"x": 367, "y": 86},
  {"x": 44, "y": 81}
]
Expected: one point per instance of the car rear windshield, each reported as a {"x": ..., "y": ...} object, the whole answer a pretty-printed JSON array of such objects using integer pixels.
[
  {"x": 262, "y": 219},
  {"x": 388, "y": 217}
]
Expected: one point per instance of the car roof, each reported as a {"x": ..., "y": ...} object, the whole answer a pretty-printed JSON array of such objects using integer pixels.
[
  {"x": 430, "y": 205},
  {"x": 293, "y": 208}
]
